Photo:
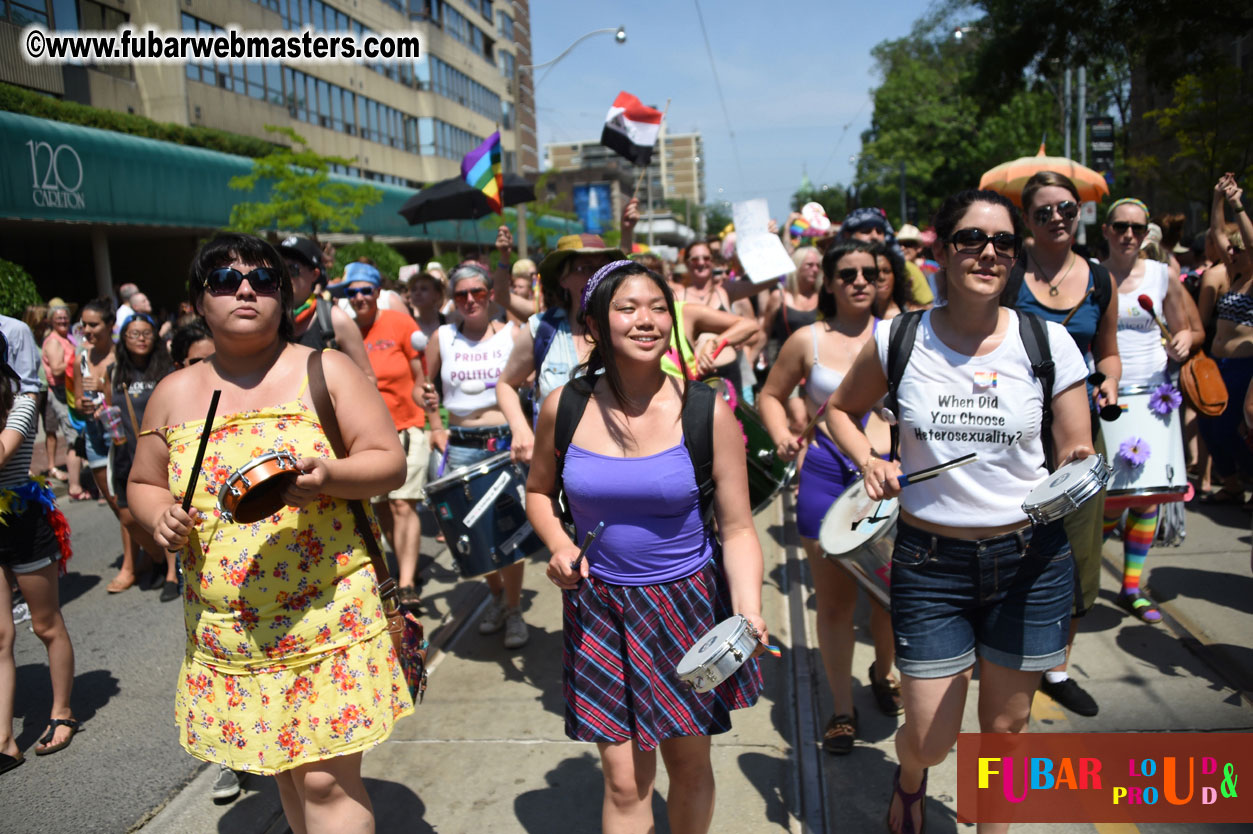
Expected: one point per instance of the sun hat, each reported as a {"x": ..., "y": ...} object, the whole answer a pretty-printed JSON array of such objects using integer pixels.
[
  {"x": 909, "y": 234},
  {"x": 568, "y": 247}
]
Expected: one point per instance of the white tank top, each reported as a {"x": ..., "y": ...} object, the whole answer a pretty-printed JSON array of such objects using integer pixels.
[
  {"x": 1139, "y": 339},
  {"x": 462, "y": 360}
]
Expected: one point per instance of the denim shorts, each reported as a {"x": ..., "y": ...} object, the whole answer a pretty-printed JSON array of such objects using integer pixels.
[
  {"x": 1006, "y": 599},
  {"x": 97, "y": 445}
]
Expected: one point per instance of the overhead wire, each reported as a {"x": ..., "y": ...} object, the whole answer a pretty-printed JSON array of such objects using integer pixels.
[{"x": 713, "y": 68}]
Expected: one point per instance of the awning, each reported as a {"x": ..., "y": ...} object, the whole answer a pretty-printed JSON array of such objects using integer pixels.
[{"x": 60, "y": 172}]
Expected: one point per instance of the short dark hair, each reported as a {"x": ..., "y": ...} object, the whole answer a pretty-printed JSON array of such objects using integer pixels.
[
  {"x": 186, "y": 336},
  {"x": 954, "y": 207},
  {"x": 830, "y": 260},
  {"x": 228, "y": 246},
  {"x": 102, "y": 307}
]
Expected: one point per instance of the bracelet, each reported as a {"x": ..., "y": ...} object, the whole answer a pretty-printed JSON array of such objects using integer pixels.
[
  {"x": 869, "y": 458},
  {"x": 1238, "y": 209}
]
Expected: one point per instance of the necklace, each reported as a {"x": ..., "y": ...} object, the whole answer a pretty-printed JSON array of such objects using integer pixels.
[{"x": 1056, "y": 281}]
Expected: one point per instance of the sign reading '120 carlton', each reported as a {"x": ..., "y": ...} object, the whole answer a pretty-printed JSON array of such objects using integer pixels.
[{"x": 56, "y": 176}]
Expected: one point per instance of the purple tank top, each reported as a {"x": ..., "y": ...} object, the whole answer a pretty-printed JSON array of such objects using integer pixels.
[{"x": 651, "y": 509}]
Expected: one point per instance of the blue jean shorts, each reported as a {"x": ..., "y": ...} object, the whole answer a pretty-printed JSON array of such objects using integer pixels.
[
  {"x": 1006, "y": 599},
  {"x": 97, "y": 445}
]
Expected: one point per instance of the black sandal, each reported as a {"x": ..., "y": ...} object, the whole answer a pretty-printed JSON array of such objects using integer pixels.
[
  {"x": 8, "y": 762},
  {"x": 908, "y": 800},
  {"x": 887, "y": 693},
  {"x": 75, "y": 726},
  {"x": 410, "y": 597},
  {"x": 840, "y": 732}
]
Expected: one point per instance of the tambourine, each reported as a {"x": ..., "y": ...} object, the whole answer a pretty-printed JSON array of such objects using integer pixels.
[
  {"x": 1067, "y": 489},
  {"x": 255, "y": 490}
]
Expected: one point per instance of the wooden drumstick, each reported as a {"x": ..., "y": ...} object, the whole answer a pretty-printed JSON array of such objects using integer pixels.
[
  {"x": 1147, "y": 304},
  {"x": 1071, "y": 314},
  {"x": 813, "y": 421},
  {"x": 195, "y": 469}
]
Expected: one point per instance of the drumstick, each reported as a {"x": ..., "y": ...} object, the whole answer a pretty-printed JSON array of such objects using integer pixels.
[
  {"x": 931, "y": 472},
  {"x": 1071, "y": 314},
  {"x": 204, "y": 443},
  {"x": 1147, "y": 304},
  {"x": 587, "y": 542},
  {"x": 719, "y": 348},
  {"x": 813, "y": 421},
  {"x": 476, "y": 386}
]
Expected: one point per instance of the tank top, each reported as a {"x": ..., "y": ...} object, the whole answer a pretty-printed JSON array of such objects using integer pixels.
[
  {"x": 316, "y": 336},
  {"x": 1139, "y": 340},
  {"x": 463, "y": 360},
  {"x": 651, "y": 509},
  {"x": 66, "y": 345},
  {"x": 1082, "y": 325},
  {"x": 791, "y": 320}
]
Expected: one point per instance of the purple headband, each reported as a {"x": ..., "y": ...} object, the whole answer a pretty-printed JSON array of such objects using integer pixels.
[{"x": 600, "y": 276}]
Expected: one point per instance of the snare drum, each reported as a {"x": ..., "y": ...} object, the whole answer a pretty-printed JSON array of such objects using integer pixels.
[
  {"x": 718, "y": 654},
  {"x": 255, "y": 490},
  {"x": 1066, "y": 489},
  {"x": 481, "y": 510},
  {"x": 767, "y": 474},
  {"x": 1161, "y": 478},
  {"x": 859, "y": 533}
]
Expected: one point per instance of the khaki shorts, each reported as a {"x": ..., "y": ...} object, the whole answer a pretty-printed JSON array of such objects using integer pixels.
[{"x": 418, "y": 452}]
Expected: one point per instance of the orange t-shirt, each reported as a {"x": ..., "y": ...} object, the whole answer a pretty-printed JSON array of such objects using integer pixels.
[{"x": 388, "y": 345}]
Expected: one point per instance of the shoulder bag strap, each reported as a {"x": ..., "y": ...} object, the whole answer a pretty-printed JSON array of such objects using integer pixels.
[
  {"x": 130, "y": 407},
  {"x": 325, "y": 410}
]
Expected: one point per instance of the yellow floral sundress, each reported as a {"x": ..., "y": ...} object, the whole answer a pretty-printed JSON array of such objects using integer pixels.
[{"x": 288, "y": 658}]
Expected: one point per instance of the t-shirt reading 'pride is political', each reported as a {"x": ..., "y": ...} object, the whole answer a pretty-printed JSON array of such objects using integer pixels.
[{"x": 952, "y": 404}]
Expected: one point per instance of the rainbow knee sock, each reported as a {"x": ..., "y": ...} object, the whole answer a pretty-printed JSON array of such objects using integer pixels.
[
  {"x": 1110, "y": 525},
  {"x": 1137, "y": 539}
]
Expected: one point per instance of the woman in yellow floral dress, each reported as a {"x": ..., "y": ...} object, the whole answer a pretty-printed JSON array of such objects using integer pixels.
[{"x": 289, "y": 667}]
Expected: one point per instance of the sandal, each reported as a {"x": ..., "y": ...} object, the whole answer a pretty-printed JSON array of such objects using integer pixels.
[
  {"x": 1225, "y": 495},
  {"x": 82, "y": 495},
  {"x": 908, "y": 801},
  {"x": 59, "y": 474},
  {"x": 8, "y": 762},
  {"x": 887, "y": 693},
  {"x": 1141, "y": 606},
  {"x": 409, "y": 597},
  {"x": 50, "y": 748},
  {"x": 841, "y": 730},
  {"x": 116, "y": 587}
]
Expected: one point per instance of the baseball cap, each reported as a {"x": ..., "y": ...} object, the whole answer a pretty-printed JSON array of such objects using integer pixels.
[{"x": 303, "y": 250}]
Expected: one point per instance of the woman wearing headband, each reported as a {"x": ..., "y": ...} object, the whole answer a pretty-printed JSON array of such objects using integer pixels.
[
  {"x": 658, "y": 576},
  {"x": 467, "y": 358},
  {"x": 289, "y": 670},
  {"x": 972, "y": 579}
]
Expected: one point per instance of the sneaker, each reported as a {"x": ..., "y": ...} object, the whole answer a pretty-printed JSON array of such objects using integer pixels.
[
  {"x": 494, "y": 617},
  {"x": 21, "y": 613},
  {"x": 1071, "y": 695},
  {"x": 227, "y": 783},
  {"x": 516, "y": 633}
]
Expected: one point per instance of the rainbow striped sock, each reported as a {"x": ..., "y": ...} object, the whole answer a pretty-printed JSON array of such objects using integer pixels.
[
  {"x": 1138, "y": 538},
  {"x": 1110, "y": 525}
]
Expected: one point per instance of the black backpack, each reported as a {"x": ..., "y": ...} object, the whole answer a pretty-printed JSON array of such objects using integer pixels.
[
  {"x": 698, "y": 425},
  {"x": 1031, "y": 329}
]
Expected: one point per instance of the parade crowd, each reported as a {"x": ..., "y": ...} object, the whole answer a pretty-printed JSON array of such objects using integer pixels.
[{"x": 623, "y": 417}]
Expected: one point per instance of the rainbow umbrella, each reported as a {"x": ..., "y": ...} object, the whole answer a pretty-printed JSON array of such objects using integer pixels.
[{"x": 1008, "y": 178}]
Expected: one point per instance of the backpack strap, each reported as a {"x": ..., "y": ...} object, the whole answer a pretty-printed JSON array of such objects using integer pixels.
[
  {"x": 325, "y": 326},
  {"x": 570, "y": 408},
  {"x": 544, "y": 335},
  {"x": 901, "y": 335},
  {"x": 1102, "y": 287},
  {"x": 698, "y": 436},
  {"x": 1036, "y": 341}
]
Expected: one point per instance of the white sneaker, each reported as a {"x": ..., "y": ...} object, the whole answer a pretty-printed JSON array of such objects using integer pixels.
[
  {"x": 21, "y": 613},
  {"x": 494, "y": 617},
  {"x": 516, "y": 633}
]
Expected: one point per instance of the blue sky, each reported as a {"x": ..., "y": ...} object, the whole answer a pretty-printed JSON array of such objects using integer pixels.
[{"x": 793, "y": 75}]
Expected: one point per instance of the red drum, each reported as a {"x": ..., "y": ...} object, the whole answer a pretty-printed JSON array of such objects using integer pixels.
[{"x": 255, "y": 490}]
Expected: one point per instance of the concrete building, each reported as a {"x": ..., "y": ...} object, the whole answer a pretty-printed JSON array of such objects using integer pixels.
[{"x": 677, "y": 170}]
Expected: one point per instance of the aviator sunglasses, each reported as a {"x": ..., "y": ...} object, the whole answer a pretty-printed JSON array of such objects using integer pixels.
[
  {"x": 227, "y": 280},
  {"x": 1120, "y": 227},
  {"x": 974, "y": 241},
  {"x": 479, "y": 294},
  {"x": 1067, "y": 209}
]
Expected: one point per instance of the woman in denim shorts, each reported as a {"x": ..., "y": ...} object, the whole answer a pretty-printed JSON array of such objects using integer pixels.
[{"x": 971, "y": 576}]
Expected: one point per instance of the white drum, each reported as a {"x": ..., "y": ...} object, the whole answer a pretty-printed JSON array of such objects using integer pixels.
[
  {"x": 718, "y": 654},
  {"x": 1161, "y": 478},
  {"x": 860, "y": 533},
  {"x": 1067, "y": 489}
]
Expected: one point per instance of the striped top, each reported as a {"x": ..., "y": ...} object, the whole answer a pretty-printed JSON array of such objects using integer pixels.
[{"x": 23, "y": 418}]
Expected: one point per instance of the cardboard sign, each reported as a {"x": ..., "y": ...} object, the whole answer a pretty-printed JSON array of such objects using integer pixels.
[{"x": 761, "y": 253}]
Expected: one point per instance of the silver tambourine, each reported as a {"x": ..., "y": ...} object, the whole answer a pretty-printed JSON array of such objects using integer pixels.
[
  {"x": 1067, "y": 489},
  {"x": 718, "y": 654}
]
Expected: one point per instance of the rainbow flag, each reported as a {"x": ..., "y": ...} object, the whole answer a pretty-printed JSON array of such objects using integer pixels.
[
  {"x": 799, "y": 227},
  {"x": 481, "y": 170}
]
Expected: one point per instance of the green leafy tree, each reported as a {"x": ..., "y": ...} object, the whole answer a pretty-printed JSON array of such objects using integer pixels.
[
  {"x": 387, "y": 259},
  {"x": 17, "y": 290},
  {"x": 302, "y": 194},
  {"x": 717, "y": 216}
]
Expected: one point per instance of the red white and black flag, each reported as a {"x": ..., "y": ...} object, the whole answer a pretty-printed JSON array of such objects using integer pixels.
[{"x": 631, "y": 129}]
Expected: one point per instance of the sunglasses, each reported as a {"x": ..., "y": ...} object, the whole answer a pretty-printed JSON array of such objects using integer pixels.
[
  {"x": 974, "y": 241},
  {"x": 849, "y": 274},
  {"x": 699, "y": 260},
  {"x": 353, "y": 292},
  {"x": 227, "y": 280},
  {"x": 479, "y": 294},
  {"x": 1120, "y": 227},
  {"x": 720, "y": 272},
  {"x": 197, "y": 359},
  {"x": 294, "y": 267},
  {"x": 1067, "y": 209}
]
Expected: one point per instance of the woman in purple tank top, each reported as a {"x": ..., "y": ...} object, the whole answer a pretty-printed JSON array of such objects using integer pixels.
[{"x": 657, "y": 578}]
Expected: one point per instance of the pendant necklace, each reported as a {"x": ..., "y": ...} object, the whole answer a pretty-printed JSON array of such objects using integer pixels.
[{"x": 1057, "y": 281}]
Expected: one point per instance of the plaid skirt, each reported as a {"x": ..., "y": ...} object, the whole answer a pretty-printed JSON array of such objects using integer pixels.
[{"x": 622, "y": 644}]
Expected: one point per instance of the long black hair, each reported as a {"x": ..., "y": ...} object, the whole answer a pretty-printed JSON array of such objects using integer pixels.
[
  {"x": 226, "y": 247},
  {"x": 901, "y": 291},
  {"x": 830, "y": 261},
  {"x": 602, "y": 356},
  {"x": 127, "y": 370}
]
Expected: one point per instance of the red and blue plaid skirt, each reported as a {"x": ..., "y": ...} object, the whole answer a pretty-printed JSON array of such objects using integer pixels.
[{"x": 622, "y": 646}]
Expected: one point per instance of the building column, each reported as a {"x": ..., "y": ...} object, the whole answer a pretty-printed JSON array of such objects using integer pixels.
[{"x": 100, "y": 259}]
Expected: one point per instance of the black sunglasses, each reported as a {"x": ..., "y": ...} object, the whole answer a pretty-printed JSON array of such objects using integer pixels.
[
  {"x": 974, "y": 241},
  {"x": 353, "y": 292},
  {"x": 1068, "y": 209},
  {"x": 1120, "y": 227},
  {"x": 849, "y": 274},
  {"x": 226, "y": 281}
]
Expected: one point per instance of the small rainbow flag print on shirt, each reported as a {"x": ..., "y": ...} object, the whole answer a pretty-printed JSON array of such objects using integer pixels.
[{"x": 481, "y": 170}]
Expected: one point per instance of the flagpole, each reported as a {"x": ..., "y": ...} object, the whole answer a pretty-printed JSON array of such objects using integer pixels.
[{"x": 644, "y": 170}]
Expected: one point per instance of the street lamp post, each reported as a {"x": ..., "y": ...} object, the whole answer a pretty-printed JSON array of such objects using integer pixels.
[{"x": 619, "y": 36}]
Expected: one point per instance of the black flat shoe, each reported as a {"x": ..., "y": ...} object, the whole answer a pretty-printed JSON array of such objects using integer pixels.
[
  {"x": 169, "y": 592},
  {"x": 840, "y": 732}
]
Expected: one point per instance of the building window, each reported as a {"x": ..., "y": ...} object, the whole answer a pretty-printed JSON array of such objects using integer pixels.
[
  {"x": 26, "y": 12},
  {"x": 504, "y": 25}
]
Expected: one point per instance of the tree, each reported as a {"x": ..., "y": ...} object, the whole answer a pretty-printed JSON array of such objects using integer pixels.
[
  {"x": 17, "y": 290},
  {"x": 717, "y": 217},
  {"x": 302, "y": 194},
  {"x": 832, "y": 198}
]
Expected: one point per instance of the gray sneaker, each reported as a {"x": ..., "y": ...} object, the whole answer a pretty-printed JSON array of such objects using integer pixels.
[
  {"x": 21, "y": 613},
  {"x": 227, "y": 784},
  {"x": 494, "y": 616},
  {"x": 516, "y": 633}
]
